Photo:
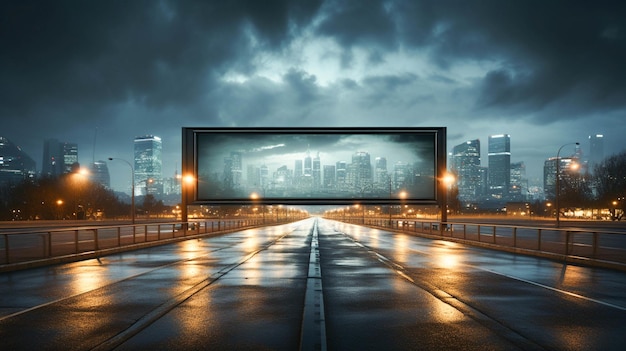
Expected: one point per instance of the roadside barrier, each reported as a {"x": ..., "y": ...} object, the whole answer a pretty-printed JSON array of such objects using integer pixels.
[
  {"x": 29, "y": 248},
  {"x": 582, "y": 246}
]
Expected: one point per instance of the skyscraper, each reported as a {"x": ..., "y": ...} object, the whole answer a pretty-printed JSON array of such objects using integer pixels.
[
  {"x": 381, "y": 175},
  {"x": 566, "y": 170},
  {"x": 148, "y": 165},
  {"x": 100, "y": 173},
  {"x": 58, "y": 158},
  {"x": 317, "y": 171},
  {"x": 15, "y": 164},
  {"x": 518, "y": 190},
  {"x": 499, "y": 164},
  {"x": 596, "y": 150},
  {"x": 360, "y": 172},
  {"x": 465, "y": 163}
]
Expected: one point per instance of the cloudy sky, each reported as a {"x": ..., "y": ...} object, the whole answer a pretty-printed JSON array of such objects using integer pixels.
[{"x": 545, "y": 72}]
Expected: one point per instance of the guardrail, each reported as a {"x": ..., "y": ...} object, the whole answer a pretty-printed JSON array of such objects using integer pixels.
[
  {"x": 604, "y": 248},
  {"x": 44, "y": 244}
]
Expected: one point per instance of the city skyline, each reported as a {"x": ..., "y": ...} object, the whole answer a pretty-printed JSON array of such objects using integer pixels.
[
  {"x": 586, "y": 148},
  {"x": 152, "y": 68}
]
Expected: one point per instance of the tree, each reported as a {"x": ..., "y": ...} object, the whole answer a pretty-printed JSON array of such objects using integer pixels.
[
  {"x": 610, "y": 183},
  {"x": 152, "y": 205},
  {"x": 59, "y": 198},
  {"x": 575, "y": 190}
]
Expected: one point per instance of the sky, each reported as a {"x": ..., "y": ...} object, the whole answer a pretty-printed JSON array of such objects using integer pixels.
[{"x": 100, "y": 73}]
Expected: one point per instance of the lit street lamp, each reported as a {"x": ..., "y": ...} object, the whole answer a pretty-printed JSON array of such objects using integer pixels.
[
  {"x": 558, "y": 183},
  {"x": 132, "y": 192}
]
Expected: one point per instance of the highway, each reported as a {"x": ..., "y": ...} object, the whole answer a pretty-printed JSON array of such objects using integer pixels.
[{"x": 311, "y": 285}]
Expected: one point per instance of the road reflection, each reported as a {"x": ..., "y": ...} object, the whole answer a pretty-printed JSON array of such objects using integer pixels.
[
  {"x": 446, "y": 256},
  {"x": 89, "y": 275}
]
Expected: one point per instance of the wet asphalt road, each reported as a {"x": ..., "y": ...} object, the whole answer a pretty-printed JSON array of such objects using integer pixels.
[{"x": 313, "y": 284}]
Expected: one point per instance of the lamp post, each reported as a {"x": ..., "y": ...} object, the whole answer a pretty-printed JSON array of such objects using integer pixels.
[
  {"x": 557, "y": 192},
  {"x": 132, "y": 192}
]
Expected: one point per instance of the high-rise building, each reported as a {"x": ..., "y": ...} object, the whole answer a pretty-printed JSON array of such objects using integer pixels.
[
  {"x": 549, "y": 174},
  {"x": 15, "y": 164},
  {"x": 237, "y": 168},
  {"x": 518, "y": 189},
  {"x": 329, "y": 176},
  {"x": 100, "y": 173},
  {"x": 596, "y": 150},
  {"x": 341, "y": 174},
  {"x": 401, "y": 176},
  {"x": 360, "y": 172},
  {"x": 307, "y": 178},
  {"x": 298, "y": 173},
  {"x": 499, "y": 164},
  {"x": 381, "y": 175},
  {"x": 70, "y": 156},
  {"x": 58, "y": 157},
  {"x": 317, "y": 171},
  {"x": 465, "y": 163},
  {"x": 148, "y": 165}
]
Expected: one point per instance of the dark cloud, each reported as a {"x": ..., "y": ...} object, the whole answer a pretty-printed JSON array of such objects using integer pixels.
[
  {"x": 549, "y": 51},
  {"x": 129, "y": 68}
]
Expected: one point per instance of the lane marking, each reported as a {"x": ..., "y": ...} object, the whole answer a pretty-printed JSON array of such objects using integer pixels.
[
  {"x": 160, "y": 311},
  {"x": 313, "y": 330},
  {"x": 565, "y": 292}
]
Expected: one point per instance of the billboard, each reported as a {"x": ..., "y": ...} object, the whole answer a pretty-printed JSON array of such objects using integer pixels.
[{"x": 314, "y": 165}]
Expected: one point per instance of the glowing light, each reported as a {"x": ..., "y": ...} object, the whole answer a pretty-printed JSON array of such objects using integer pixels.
[
  {"x": 189, "y": 179},
  {"x": 448, "y": 179}
]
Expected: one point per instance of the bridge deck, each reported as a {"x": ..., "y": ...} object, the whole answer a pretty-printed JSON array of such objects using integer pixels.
[{"x": 314, "y": 284}]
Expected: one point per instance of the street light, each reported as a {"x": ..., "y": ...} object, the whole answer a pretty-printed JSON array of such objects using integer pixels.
[
  {"x": 558, "y": 183},
  {"x": 132, "y": 192}
]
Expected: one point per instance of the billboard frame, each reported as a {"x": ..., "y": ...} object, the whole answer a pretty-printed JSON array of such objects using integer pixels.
[{"x": 190, "y": 164}]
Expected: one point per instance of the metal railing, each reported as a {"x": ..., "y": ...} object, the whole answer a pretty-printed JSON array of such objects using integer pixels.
[
  {"x": 44, "y": 244},
  {"x": 605, "y": 248}
]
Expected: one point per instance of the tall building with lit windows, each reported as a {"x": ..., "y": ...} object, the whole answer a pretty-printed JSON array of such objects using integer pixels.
[
  {"x": 596, "y": 150},
  {"x": 465, "y": 163},
  {"x": 100, "y": 173},
  {"x": 148, "y": 165},
  {"x": 567, "y": 167},
  {"x": 499, "y": 165},
  {"x": 15, "y": 164},
  {"x": 58, "y": 157}
]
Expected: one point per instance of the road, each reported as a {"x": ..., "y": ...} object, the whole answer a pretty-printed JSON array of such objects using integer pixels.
[{"x": 314, "y": 284}]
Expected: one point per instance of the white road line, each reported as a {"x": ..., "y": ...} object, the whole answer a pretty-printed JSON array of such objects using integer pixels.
[
  {"x": 313, "y": 331},
  {"x": 565, "y": 292}
]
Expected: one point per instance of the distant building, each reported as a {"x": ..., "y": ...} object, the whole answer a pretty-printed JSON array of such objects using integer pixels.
[
  {"x": 465, "y": 163},
  {"x": 298, "y": 173},
  {"x": 58, "y": 157},
  {"x": 499, "y": 164},
  {"x": 329, "y": 177},
  {"x": 518, "y": 190},
  {"x": 596, "y": 151},
  {"x": 317, "y": 171},
  {"x": 148, "y": 165},
  {"x": 381, "y": 174},
  {"x": 360, "y": 172},
  {"x": 15, "y": 164},
  {"x": 100, "y": 173},
  {"x": 549, "y": 174},
  {"x": 341, "y": 169}
]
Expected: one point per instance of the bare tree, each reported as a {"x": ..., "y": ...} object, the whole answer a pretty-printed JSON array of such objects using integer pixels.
[{"x": 610, "y": 182}]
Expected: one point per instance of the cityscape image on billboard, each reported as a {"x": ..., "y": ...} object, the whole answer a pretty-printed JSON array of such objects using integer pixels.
[{"x": 315, "y": 165}]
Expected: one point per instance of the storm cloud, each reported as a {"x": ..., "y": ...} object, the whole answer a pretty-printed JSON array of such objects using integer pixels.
[{"x": 544, "y": 72}]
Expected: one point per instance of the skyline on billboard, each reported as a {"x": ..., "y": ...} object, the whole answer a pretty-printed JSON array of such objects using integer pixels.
[{"x": 315, "y": 165}]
